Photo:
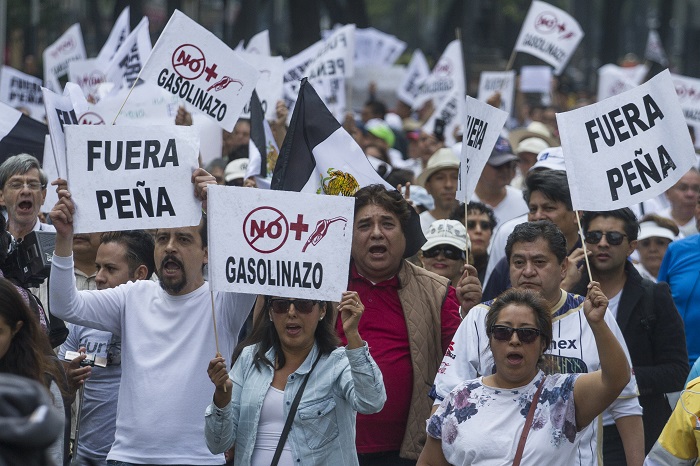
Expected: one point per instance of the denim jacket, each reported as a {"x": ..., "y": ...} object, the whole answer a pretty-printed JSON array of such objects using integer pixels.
[{"x": 323, "y": 431}]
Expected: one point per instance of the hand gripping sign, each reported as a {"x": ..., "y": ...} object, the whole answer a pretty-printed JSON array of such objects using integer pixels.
[
  {"x": 200, "y": 69},
  {"x": 627, "y": 148},
  {"x": 280, "y": 243},
  {"x": 132, "y": 177}
]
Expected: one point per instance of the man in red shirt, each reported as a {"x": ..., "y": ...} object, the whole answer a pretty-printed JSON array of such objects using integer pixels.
[{"x": 410, "y": 317}]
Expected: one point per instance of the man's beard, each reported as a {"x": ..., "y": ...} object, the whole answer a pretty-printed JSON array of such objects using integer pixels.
[{"x": 172, "y": 287}]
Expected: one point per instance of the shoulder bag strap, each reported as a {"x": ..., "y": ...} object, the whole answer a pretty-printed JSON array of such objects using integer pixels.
[
  {"x": 528, "y": 424},
  {"x": 292, "y": 413}
]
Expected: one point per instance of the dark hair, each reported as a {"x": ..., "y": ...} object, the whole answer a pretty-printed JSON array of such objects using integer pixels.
[
  {"x": 384, "y": 155},
  {"x": 203, "y": 231},
  {"x": 399, "y": 176},
  {"x": 629, "y": 220},
  {"x": 30, "y": 354},
  {"x": 529, "y": 232},
  {"x": 264, "y": 336},
  {"x": 553, "y": 185},
  {"x": 139, "y": 247},
  {"x": 663, "y": 222},
  {"x": 216, "y": 163},
  {"x": 528, "y": 298},
  {"x": 376, "y": 107},
  {"x": 480, "y": 207},
  {"x": 392, "y": 201}
]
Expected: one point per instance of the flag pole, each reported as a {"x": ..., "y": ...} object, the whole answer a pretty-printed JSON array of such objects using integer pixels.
[
  {"x": 583, "y": 243},
  {"x": 511, "y": 60}
]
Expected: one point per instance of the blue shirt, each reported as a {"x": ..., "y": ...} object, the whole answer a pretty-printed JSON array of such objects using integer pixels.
[
  {"x": 681, "y": 270},
  {"x": 323, "y": 431}
]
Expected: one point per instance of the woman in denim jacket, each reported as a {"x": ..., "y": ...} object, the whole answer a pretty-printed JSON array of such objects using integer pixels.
[{"x": 251, "y": 403}]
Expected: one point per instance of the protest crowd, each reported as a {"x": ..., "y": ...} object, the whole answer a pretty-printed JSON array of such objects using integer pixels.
[{"x": 207, "y": 257}]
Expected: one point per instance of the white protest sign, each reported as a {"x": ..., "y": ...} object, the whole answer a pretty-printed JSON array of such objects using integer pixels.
[
  {"x": 376, "y": 48},
  {"x": 614, "y": 80},
  {"x": 627, "y": 148},
  {"x": 688, "y": 91},
  {"x": 127, "y": 62},
  {"x": 550, "y": 34},
  {"x": 655, "y": 50},
  {"x": 416, "y": 72},
  {"x": 147, "y": 105},
  {"x": 62, "y": 110},
  {"x": 18, "y": 89},
  {"x": 132, "y": 177},
  {"x": 56, "y": 56},
  {"x": 336, "y": 57},
  {"x": 48, "y": 165},
  {"x": 450, "y": 111},
  {"x": 269, "y": 85},
  {"x": 116, "y": 36},
  {"x": 200, "y": 69},
  {"x": 88, "y": 75},
  {"x": 259, "y": 43},
  {"x": 482, "y": 126},
  {"x": 447, "y": 75},
  {"x": 279, "y": 243},
  {"x": 536, "y": 79},
  {"x": 502, "y": 82},
  {"x": 294, "y": 70}
]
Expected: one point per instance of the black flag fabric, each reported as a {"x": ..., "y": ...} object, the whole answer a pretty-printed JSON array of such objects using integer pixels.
[{"x": 20, "y": 134}]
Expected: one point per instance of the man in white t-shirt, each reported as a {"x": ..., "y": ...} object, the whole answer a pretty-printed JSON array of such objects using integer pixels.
[
  {"x": 536, "y": 252},
  {"x": 493, "y": 187},
  {"x": 167, "y": 338}
]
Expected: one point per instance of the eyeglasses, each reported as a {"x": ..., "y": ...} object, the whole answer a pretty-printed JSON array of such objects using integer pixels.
[
  {"x": 32, "y": 185},
  {"x": 614, "y": 238},
  {"x": 485, "y": 225},
  {"x": 281, "y": 306},
  {"x": 505, "y": 333},
  {"x": 450, "y": 252},
  {"x": 659, "y": 242}
]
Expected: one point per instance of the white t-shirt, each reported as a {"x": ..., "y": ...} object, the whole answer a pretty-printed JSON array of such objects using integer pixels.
[
  {"x": 481, "y": 425},
  {"x": 510, "y": 207},
  {"x": 270, "y": 429},
  {"x": 686, "y": 230},
  {"x": 573, "y": 350},
  {"x": 167, "y": 343},
  {"x": 426, "y": 219},
  {"x": 497, "y": 246}
]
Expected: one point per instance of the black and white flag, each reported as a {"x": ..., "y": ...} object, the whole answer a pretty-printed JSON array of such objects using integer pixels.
[{"x": 20, "y": 134}]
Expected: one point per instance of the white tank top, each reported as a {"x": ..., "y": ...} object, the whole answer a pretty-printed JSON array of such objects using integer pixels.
[{"x": 269, "y": 431}]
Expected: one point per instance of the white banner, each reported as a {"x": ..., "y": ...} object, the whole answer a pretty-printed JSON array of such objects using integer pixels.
[
  {"x": 117, "y": 35},
  {"x": 260, "y": 44},
  {"x": 536, "y": 79},
  {"x": 294, "y": 70},
  {"x": 451, "y": 112},
  {"x": 416, "y": 72},
  {"x": 147, "y": 105},
  {"x": 56, "y": 56},
  {"x": 336, "y": 57},
  {"x": 502, "y": 82},
  {"x": 88, "y": 75},
  {"x": 48, "y": 165},
  {"x": 688, "y": 92},
  {"x": 62, "y": 110},
  {"x": 447, "y": 76},
  {"x": 132, "y": 177},
  {"x": 626, "y": 149},
  {"x": 269, "y": 86},
  {"x": 482, "y": 126},
  {"x": 127, "y": 62},
  {"x": 201, "y": 70},
  {"x": 376, "y": 48},
  {"x": 279, "y": 243},
  {"x": 614, "y": 80},
  {"x": 18, "y": 89},
  {"x": 550, "y": 34},
  {"x": 655, "y": 50}
]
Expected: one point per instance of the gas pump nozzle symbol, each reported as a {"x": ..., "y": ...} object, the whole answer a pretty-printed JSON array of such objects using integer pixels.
[{"x": 321, "y": 230}]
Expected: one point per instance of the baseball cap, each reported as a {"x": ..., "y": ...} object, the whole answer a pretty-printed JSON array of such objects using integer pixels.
[
  {"x": 449, "y": 232},
  {"x": 440, "y": 160},
  {"x": 502, "y": 153},
  {"x": 551, "y": 158},
  {"x": 381, "y": 129},
  {"x": 235, "y": 169},
  {"x": 652, "y": 229}
]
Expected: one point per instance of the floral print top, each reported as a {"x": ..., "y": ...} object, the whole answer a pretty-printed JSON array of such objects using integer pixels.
[{"x": 481, "y": 425}]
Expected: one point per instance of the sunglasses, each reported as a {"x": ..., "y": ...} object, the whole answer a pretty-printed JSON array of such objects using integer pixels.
[
  {"x": 471, "y": 224},
  {"x": 450, "y": 252},
  {"x": 658, "y": 242},
  {"x": 505, "y": 333},
  {"x": 613, "y": 238},
  {"x": 281, "y": 306}
]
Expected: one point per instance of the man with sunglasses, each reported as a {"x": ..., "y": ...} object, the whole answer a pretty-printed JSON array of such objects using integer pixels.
[
  {"x": 536, "y": 252},
  {"x": 647, "y": 317},
  {"x": 445, "y": 251}
]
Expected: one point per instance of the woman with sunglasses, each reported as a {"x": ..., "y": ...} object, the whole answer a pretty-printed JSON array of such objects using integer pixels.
[
  {"x": 445, "y": 251},
  {"x": 294, "y": 347},
  {"x": 481, "y": 420}
]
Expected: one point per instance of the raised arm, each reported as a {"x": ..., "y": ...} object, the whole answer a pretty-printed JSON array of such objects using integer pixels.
[{"x": 595, "y": 391}]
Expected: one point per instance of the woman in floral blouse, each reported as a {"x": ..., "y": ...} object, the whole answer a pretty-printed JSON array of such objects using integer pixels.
[{"x": 481, "y": 420}]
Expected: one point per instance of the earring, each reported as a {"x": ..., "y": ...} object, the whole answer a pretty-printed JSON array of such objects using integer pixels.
[{"x": 321, "y": 318}]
